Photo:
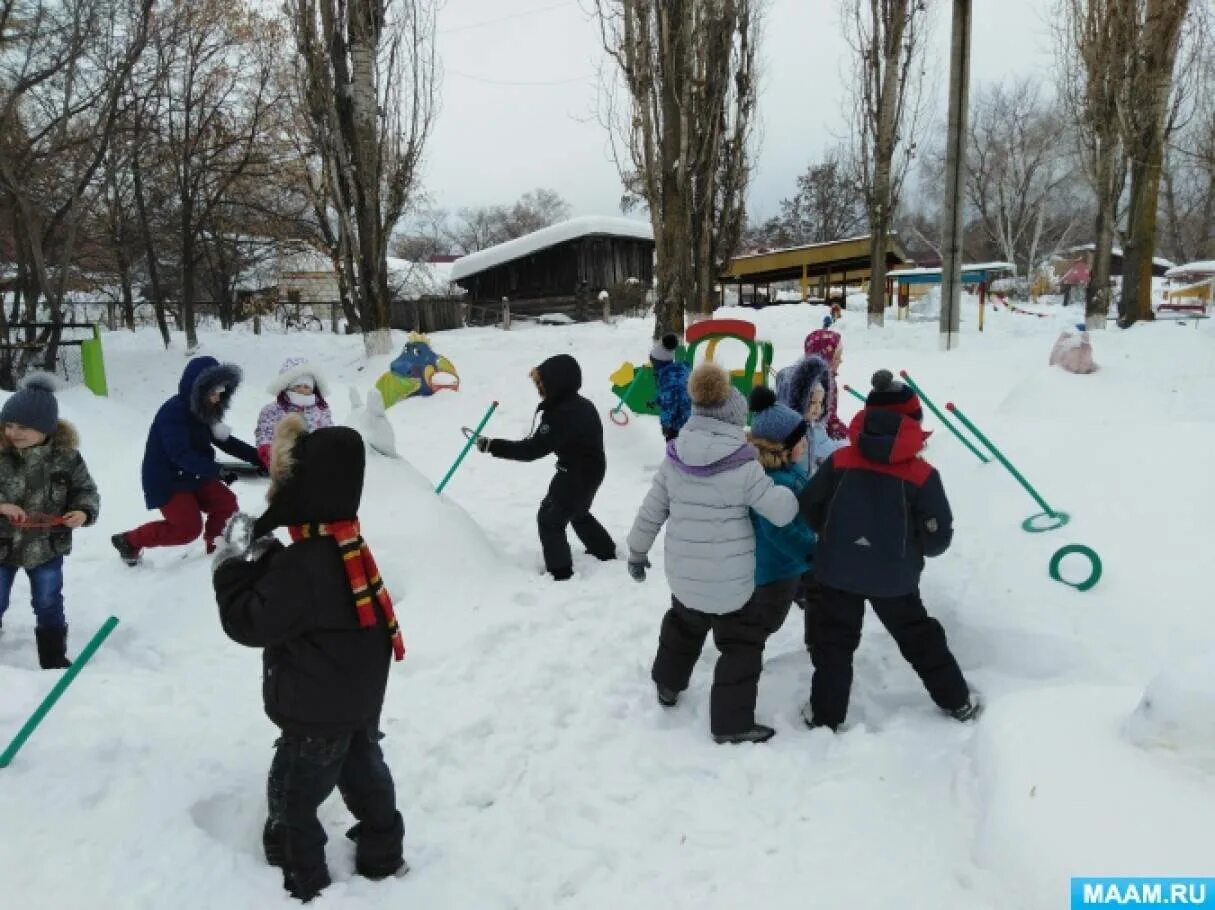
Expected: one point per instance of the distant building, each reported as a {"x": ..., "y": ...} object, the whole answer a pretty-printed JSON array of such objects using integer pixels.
[{"x": 560, "y": 268}]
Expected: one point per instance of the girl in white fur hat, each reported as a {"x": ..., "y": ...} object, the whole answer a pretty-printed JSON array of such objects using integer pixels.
[{"x": 298, "y": 389}]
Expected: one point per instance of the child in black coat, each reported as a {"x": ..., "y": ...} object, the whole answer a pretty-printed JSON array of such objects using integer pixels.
[
  {"x": 326, "y": 624},
  {"x": 571, "y": 428},
  {"x": 874, "y": 532}
]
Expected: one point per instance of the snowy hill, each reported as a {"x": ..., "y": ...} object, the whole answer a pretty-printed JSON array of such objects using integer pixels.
[{"x": 534, "y": 768}]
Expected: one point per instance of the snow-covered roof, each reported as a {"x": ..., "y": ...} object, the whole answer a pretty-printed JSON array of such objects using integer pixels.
[
  {"x": 305, "y": 261},
  {"x": 969, "y": 267},
  {"x": 584, "y": 226},
  {"x": 1117, "y": 251},
  {"x": 805, "y": 246},
  {"x": 1203, "y": 269}
]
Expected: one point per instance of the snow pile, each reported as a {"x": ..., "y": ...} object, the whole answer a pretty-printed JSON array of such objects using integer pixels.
[{"x": 1177, "y": 711}]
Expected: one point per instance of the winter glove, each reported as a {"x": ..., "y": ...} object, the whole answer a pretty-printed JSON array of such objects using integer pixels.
[
  {"x": 638, "y": 563},
  {"x": 483, "y": 443},
  {"x": 237, "y": 539},
  {"x": 228, "y": 477}
]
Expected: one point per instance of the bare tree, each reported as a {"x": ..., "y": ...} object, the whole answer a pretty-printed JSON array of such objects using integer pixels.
[
  {"x": 1092, "y": 61},
  {"x": 888, "y": 40},
  {"x": 367, "y": 80},
  {"x": 62, "y": 67},
  {"x": 1018, "y": 165},
  {"x": 1188, "y": 198},
  {"x": 688, "y": 73},
  {"x": 473, "y": 229},
  {"x": 826, "y": 205},
  {"x": 1153, "y": 28}
]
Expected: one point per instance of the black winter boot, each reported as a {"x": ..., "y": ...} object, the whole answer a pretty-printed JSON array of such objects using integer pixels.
[
  {"x": 52, "y": 649},
  {"x": 757, "y": 734},
  {"x": 667, "y": 697},
  {"x": 128, "y": 553}
]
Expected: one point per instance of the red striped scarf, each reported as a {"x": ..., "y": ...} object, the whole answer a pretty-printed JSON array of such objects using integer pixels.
[{"x": 363, "y": 573}]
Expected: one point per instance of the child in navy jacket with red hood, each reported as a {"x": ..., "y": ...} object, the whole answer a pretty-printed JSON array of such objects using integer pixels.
[{"x": 879, "y": 509}]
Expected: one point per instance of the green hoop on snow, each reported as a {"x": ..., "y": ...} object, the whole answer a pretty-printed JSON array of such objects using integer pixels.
[
  {"x": 1094, "y": 563},
  {"x": 1054, "y": 520}
]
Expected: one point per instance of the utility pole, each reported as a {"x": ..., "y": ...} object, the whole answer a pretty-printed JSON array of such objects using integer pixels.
[{"x": 955, "y": 175}]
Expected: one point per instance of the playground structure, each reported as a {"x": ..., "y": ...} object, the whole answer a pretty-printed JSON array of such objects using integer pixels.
[
  {"x": 1191, "y": 288},
  {"x": 637, "y": 388},
  {"x": 416, "y": 373},
  {"x": 980, "y": 274}
]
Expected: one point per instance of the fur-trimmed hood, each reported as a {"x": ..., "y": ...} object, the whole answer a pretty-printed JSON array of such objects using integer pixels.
[
  {"x": 314, "y": 477},
  {"x": 200, "y": 377},
  {"x": 65, "y": 438},
  {"x": 799, "y": 381},
  {"x": 291, "y": 370}
]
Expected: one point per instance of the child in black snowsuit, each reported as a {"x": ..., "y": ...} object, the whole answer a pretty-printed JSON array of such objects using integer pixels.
[
  {"x": 321, "y": 613},
  {"x": 874, "y": 532},
  {"x": 570, "y": 427}
]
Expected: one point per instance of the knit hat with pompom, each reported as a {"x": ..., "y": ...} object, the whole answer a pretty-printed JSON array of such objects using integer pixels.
[
  {"x": 33, "y": 405},
  {"x": 664, "y": 349},
  {"x": 773, "y": 421},
  {"x": 713, "y": 396},
  {"x": 891, "y": 395}
]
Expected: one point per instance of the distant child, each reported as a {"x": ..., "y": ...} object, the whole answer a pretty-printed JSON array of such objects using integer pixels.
[
  {"x": 671, "y": 378},
  {"x": 570, "y": 427},
  {"x": 181, "y": 477},
  {"x": 879, "y": 509},
  {"x": 828, "y": 345},
  {"x": 782, "y": 554},
  {"x": 46, "y": 492},
  {"x": 702, "y": 492},
  {"x": 320, "y": 612},
  {"x": 299, "y": 389}
]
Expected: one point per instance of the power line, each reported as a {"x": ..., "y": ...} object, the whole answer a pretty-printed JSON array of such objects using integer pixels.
[
  {"x": 489, "y": 81},
  {"x": 519, "y": 15}
]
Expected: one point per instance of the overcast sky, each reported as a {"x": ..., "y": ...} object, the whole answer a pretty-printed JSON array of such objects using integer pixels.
[{"x": 520, "y": 94}]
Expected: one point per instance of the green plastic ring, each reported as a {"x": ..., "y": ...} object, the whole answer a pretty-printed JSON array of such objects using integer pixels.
[
  {"x": 1094, "y": 562},
  {"x": 1058, "y": 520}
]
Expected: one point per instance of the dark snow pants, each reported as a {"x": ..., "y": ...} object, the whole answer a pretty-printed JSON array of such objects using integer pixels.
[
  {"x": 740, "y": 638},
  {"x": 836, "y": 632},
  {"x": 304, "y": 772},
  {"x": 568, "y": 503}
]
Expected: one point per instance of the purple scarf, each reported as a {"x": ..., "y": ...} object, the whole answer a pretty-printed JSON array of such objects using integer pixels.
[{"x": 739, "y": 457}]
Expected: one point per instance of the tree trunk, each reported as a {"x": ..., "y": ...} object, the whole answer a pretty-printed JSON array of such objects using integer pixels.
[
  {"x": 189, "y": 268},
  {"x": 158, "y": 297},
  {"x": 1141, "y": 245},
  {"x": 1097, "y": 294}
]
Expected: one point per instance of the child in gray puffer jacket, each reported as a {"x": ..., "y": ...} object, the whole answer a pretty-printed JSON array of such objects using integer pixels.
[{"x": 703, "y": 492}]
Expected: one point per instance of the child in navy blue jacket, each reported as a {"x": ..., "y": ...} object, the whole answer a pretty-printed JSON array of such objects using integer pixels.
[
  {"x": 782, "y": 554},
  {"x": 879, "y": 509},
  {"x": 671, "y": 378}
]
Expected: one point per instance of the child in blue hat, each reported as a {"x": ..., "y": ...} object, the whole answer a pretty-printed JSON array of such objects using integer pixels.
[{"x": 782, "y": 554}]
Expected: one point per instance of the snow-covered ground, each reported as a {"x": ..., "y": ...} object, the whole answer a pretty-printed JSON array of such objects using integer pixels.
[{"x": 534, "y": 768}]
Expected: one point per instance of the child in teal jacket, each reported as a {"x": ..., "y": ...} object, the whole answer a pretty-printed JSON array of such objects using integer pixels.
[{"x": 782, "y": 555}]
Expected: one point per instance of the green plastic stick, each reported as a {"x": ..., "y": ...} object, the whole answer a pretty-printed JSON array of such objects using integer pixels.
[
  {"x": 468, "y": 444},
  {"x": 978, "y": 434},
  {"x": 627, "y": 393},
  {"x": 945, "y": 420},
  {"x": 855, "y": 394},
  {"x": 60, "y": 687}
]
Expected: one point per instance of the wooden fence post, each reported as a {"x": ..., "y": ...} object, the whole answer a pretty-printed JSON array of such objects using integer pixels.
[{"x": 505, "y": 314}]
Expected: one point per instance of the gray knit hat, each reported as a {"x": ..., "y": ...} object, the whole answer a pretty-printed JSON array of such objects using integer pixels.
[
  {"x": 713, "y": 395},
  {"x": 33, "y": 405},
  {"x": 664, "y": 349}
]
